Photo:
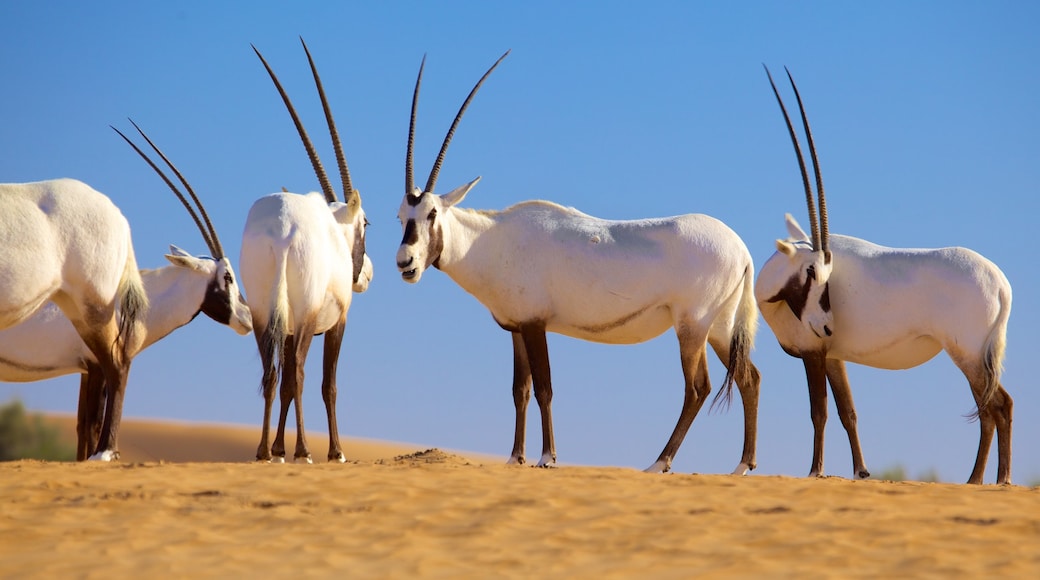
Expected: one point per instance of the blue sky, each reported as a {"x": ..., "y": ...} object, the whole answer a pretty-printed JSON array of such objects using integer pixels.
[{"x": 924, "y": 114}]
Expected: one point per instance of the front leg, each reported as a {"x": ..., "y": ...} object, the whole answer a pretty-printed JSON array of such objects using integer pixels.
[
  {"x": 816, "y": 376},
  {"x": 839, "y": 380},
  {"x": 538, "y": 356},
  {"x": 521, "y": 397},
  {"x": 330, "y": 360}
]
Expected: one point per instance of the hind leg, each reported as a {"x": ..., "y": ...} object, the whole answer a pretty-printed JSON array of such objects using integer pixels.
[
  {"x": 698, "y": 387},
  {"x": 1002, "y": 407},
  {"x": 89, "y": 418},
  {"x": 267, "y": 386},
  {"x": 100, "y": 340},
  {"x": 748, "y": 381}
]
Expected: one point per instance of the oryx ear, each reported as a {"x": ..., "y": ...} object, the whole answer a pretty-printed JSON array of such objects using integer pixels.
[
  {"x": 178, "y": 252},
  {"x": 184, "y": 260},
  {"x": 785, "y": 247},
  {"x": 794, "y": 230},
  {"x": 456, "y": 195}
]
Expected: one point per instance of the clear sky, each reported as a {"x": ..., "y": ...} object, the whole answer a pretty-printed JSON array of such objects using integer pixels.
[{"x": 925, "y": 115}]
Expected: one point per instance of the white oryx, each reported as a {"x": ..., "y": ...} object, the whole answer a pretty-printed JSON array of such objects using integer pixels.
[
  {"x": 65, "y": 242},
  {"x": 302, "y": 257},
  {"x": 539, "y": 267},
  {"x": 46, "y": 345},
  {"x": 831, "y": 299}
]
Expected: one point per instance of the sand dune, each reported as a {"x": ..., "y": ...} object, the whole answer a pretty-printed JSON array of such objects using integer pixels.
[{"x": 393, "y": 512}]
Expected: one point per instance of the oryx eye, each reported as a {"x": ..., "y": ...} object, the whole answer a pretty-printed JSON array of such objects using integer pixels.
[
  {"x": 228, "y": 280},
  {"x": 433, "y": 214},
  {"x": 811, "y": 272}
]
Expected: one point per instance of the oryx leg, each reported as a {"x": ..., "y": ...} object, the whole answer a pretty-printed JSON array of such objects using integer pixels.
[
  {"x": 303, "y": 344},
  {"x": 1001, "y": 407},
  {"x": 692, "y": 351},
  {"x": 521, "y": 397},
  {"x": 994, "y": 416},
  {"x": 268, "y": 352},
  {"x": 839, "y": 381},
  {"x": 748, "y": 381},
  {"x": 89, "y": 417},
  {"x": 330, "y": 361},
  {"x": 538, "y": 356},
  {"x": 99, "y": 334},
  {"x": 816, "y": 376}
]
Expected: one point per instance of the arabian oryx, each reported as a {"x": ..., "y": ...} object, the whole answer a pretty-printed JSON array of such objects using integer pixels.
[
  {"x": 67, "y": 243},
  {"x": 302, "y": 257},
  {"x": 46, "y": 345},
  {"x": 540, "y": 267},
  {"x": 831, "y": 299}
]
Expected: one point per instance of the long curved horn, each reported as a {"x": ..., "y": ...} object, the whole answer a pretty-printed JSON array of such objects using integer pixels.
[
  {"x": 209, "y": 237},
  {"x": 341, "y": 159},
  {"x": 432, "y": 181},
  {"x": 824, "y": 230},
  {"x": 409, "y": 176},
  {"x": 813, "y": 224},
  {"x": 319, "y": 171}
]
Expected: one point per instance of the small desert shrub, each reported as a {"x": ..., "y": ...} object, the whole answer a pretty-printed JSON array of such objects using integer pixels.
[
  {"x": 24, "y": 436},
  {"x": 898, "y": 473}
]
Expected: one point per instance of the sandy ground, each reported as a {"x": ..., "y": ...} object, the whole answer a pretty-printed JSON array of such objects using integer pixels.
[{"x": 186, "y": 502}]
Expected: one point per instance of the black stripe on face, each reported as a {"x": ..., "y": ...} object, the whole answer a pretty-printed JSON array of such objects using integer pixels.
[
  {"x": 411, "y": 233},
  {"x": 217, "y": 303},
  {"x": 358, "y": 256},
  {"x": 796, "y": 294},
  {"x": 825, "y": 298}
]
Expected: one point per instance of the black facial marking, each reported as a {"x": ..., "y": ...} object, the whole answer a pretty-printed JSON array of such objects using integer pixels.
[
  {"x": 825, "y": 299},
  {"x": 795, "y": 294},
  {"x": 413, "y": 200},
  {"x": 433, "y": 253},
  {"x": 217, "y": 303},
  {"x": 357, "y": 254},
  {"x": 411, "y": 234}
]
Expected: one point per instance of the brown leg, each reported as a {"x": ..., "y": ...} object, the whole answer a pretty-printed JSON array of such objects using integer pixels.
[
  {"x": 1002, "y": 412},
  {"x": 286, "y": 392},
  {"x": 847, "y": 413},
  {"x": 538, "y": 356},
  {"x": 749, "y": 389},
  {"x": 89, "y": 418},
  {"x": 268, "y": 352},
  {"x": 521, "y": 397},
  {"x": 748, "y": 381},
  {"x": 303, "y": 344},
  {"x": 330, "y": 360},
  {"x": 816, "y": 376},
  {"x": 698, "y": 387},
  {"x": 100, "y": 339}
]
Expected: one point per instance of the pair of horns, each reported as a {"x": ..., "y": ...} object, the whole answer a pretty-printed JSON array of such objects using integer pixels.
[
  {"x": 209, "y": 233},
  {"x": 409, "y": 180},
  {"x": 819, "y": 228},
  {"x": 319, "y": 170}
]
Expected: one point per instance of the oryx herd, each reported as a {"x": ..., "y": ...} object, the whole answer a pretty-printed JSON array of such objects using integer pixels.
[{"x": 72, "y": 299}]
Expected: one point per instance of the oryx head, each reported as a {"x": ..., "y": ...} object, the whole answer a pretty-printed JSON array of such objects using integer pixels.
[
  {"x": 422, "y": 210},
  {"x": 806, "y": 290},
  {"x": 223, "y": 301},
  {"x": 348, "y": 213}
]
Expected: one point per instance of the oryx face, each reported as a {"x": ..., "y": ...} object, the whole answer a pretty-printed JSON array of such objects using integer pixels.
[
  {"x": 423, "y": 234},
  {"x": 352, "y": 220},
  {"x": 223, "y": 301}
]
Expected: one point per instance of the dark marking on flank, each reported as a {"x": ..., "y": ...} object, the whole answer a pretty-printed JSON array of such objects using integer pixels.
[{"x": 620, "y": 322}]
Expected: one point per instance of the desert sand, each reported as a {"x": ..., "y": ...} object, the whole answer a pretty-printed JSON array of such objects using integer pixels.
[{"x": 186, "y": 501}]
